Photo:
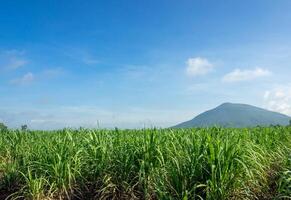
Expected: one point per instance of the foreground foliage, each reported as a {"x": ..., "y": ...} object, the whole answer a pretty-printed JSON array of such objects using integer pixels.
[{"x": 183, "y": 164}]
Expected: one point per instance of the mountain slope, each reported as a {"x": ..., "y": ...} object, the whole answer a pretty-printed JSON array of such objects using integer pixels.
[{"x": 236, "y": 115}]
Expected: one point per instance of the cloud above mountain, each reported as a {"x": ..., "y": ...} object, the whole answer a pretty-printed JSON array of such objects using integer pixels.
[
  {"x": 279, "y": 99},
  {"x": 198, "y": 66},
  {"x": 238, "y": 75}
]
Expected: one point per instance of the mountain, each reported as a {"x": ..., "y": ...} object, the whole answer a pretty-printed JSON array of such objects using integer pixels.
[{"x": 236, "y": 115}]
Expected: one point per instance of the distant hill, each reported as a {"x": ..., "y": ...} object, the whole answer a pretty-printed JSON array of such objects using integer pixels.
[{"x": 236, "y": 115}]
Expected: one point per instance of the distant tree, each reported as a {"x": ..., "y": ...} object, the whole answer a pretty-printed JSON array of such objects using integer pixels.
[
  {"x": 116, "y": 129},
  {"x": 2, "y": 126},
  {"x": 24, "y": 127},
  {"x": 290, "y": 122}
]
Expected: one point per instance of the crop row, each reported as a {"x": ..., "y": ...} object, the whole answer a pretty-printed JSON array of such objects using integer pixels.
[{"x": 209, "y": 163}]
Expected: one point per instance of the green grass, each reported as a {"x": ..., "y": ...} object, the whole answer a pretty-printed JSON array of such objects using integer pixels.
[{"x": 184, "y": 164}]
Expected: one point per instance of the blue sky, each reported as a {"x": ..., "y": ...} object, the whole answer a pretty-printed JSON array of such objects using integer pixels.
[{"x": 138, "y": 63}]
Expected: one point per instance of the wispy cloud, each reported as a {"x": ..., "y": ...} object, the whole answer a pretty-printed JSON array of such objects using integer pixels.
[
  {"x": 24, "y": 80},
  {"x": 92, "y": 116},
  {"x": 136, "y": 71},
  {"x": 81, "y": 55},
  {"x": 52, "y": 72},
  {"x": 246, "y": 75},
  {"x": 88, "y": 60},
  {"x": 12, "y": 59},
  {"x": 15, "y": 63},
  {"x": 279, "y": 99},
  {"x": 30, "y": 77},
  {"x": 198, "y": 66}
]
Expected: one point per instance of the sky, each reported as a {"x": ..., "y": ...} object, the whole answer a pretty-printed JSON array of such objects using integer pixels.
[{"x": 136, "y": 63}]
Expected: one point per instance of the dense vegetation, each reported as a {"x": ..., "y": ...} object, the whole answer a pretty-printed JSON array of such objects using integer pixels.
[{"x": 183, "y": 164}]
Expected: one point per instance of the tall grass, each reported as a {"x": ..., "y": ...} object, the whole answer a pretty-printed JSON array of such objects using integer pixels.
[{"x": 210, "y": 164}]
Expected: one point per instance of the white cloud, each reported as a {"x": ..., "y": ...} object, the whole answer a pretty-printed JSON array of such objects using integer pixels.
[
  {"x": 279, "y": 99},
  {"x": 24, "y": 80},
  {"x": 198, "y": 66},
  {"x": 246, "y": 75}
]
